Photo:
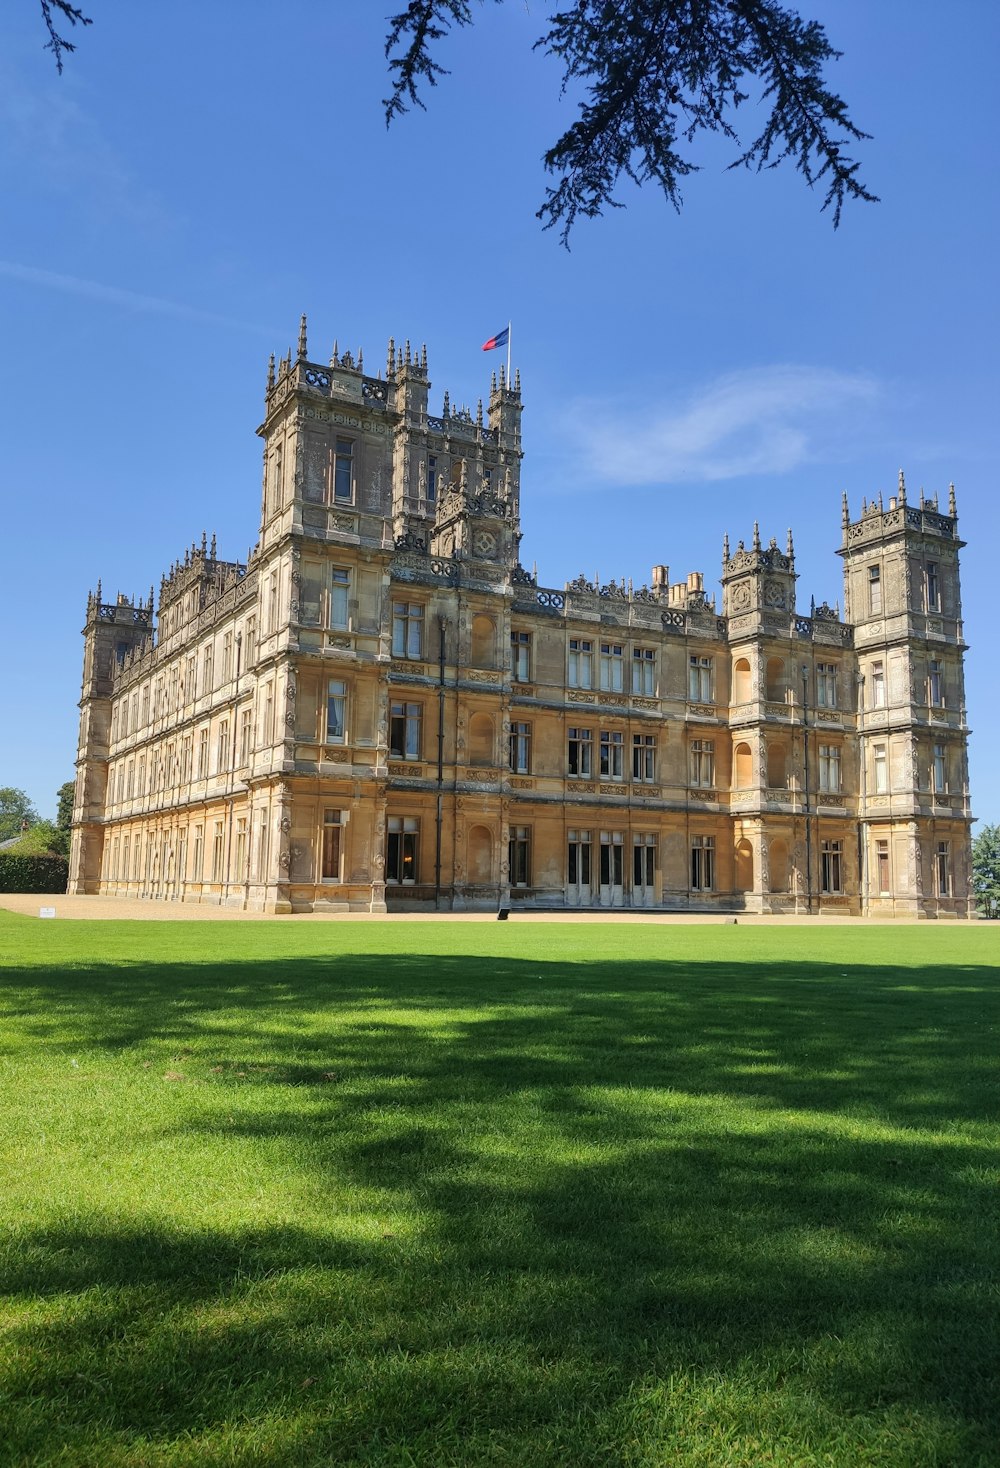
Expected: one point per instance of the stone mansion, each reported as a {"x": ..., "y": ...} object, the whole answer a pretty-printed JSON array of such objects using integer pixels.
[{"x": 382, "y": 709}]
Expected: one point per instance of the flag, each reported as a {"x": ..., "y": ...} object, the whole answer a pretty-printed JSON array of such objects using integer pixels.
[{"x": 500, "y": 340}]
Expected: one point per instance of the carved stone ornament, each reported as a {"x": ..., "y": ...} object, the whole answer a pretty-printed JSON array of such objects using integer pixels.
[{"x": 285, "y": 824}]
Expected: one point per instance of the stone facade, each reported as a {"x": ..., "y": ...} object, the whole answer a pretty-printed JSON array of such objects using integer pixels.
[{"x": 382, "y": 709}]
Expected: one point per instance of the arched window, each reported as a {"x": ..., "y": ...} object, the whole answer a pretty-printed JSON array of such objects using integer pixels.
[
  {"x": 776, "y": 680},
  {"x": 777, "y": 860},
  {"x": 742, "y": 767},
  {"x": 481, "y": 744},
  {"x": 744, "y": 867},
  {"x": 483, "y": 642},
  {"x": 742, "y": 692},
  {"x": 480, "y": 856},
  {"x": 777, "y": 766}
]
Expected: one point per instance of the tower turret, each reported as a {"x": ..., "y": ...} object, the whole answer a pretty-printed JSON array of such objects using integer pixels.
[
  {"x": 902, "y": 593},
  {"x": 760, "y": 581},
  {"x": 112, "y": 631}
]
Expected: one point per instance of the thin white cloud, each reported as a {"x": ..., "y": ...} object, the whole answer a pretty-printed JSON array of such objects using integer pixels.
[
  {"x": 54, "y": 145},
  {"x": 112, "y": 295},
  {"x": 765, "y": 420}
]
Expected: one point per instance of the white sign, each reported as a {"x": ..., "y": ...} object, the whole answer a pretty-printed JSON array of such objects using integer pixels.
[{"x": 46, "y": 912}]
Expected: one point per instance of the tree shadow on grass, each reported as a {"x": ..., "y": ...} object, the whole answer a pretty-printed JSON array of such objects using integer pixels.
[{"x": 607, "y": 1179}]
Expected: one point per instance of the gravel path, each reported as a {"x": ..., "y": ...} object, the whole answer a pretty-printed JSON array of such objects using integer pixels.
[{"x": 140, "y": 910}]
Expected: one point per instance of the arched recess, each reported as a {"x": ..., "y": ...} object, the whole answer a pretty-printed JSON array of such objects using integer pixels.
[
  {"x": 777, "y": 765},
  {"x": 742, "y": 767},
  {"x": 480, "y": 856},
  {"x": 742, "y": 691},
  {"x": 744, "y": 866},
  {"x": 776, "y": 684},
  {"x": 484, "y": 639},
  {"x": 777, "y": 860},
  {"x": 481, "y": 748}
]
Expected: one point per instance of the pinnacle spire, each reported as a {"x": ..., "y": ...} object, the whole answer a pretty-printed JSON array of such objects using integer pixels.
[
  {"x": 390, "y": 361},
  {"x": 756, "y": 536},
  {"x": 791, "y": 547},
  {"x": 270, "y": 372},
  {"x": 335, "y": 354},
  {"x": 725, "y": 547},
  {"x": 952, "y": 505},
  {"x": 902, "y": 488},
  {"x": 302, "y": 336}
]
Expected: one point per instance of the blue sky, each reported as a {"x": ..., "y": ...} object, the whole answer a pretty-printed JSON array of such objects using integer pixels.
[{"x": 176, "y": 199}]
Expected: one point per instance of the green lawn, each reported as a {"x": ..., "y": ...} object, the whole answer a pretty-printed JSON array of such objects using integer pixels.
[{"x": 415, "y": 1194}]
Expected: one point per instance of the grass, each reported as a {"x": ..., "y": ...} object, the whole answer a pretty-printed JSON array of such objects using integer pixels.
[{"x": 433, "y": 1194}]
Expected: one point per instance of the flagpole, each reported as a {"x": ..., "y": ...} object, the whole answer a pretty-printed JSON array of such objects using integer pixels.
[{"x": 508, "y": 354}]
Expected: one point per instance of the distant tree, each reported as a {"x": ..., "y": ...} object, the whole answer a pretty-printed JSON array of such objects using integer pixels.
[
  {"x": 65, "y": 796},
  {"x": 44, "y": 838},
  {"x": 61, "y": 831},
  {"x": 986, "y": 871},
  {"x": 16, "y": 812},
  {"x": 657, "y": 73}
]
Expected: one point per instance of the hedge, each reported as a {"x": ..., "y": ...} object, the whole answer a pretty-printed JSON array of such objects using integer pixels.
[{"x": 32, "y": 873}]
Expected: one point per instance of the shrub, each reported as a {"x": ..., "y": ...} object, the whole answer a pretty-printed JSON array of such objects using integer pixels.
[{"x": 32, "y": 873}]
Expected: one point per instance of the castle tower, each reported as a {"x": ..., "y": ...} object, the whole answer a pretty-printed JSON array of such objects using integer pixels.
[
  {"x": 902, "y": 593},
  {"x": 758, "y": 581},
  {"x": 113, "y": 630},
  {"x": 328, "y": 436}
]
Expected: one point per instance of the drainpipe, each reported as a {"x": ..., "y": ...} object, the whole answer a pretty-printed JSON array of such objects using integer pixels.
[
  {"x": 439, "y": 817},
  {"x": 863, "y": 813},
  {"x": 231, "y": 772},
  {"x": 805, "y": 782}
]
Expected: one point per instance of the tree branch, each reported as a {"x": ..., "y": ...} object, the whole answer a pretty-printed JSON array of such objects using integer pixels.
[
  {"x": 56, "y": 43},
  {"x": 658, "y": 72}
]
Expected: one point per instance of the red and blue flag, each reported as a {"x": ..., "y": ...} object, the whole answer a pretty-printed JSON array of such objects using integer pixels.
[{"x": 500, "y": 340}]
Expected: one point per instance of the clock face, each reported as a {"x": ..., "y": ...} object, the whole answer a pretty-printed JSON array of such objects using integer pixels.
[{"x": 483, "y": 543}]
